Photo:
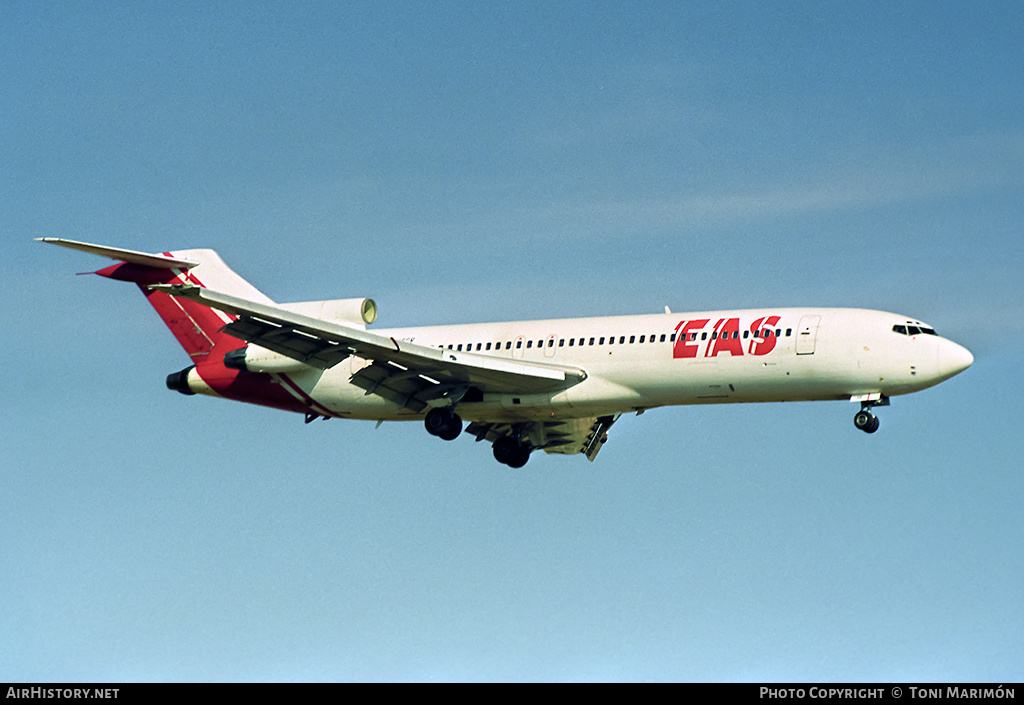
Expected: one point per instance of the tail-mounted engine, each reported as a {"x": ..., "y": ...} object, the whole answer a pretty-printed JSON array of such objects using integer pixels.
[
  {"x": 253, "y": 358},
  {"x": 358, "y": 312},
  {"x": 178, "y": 381}
]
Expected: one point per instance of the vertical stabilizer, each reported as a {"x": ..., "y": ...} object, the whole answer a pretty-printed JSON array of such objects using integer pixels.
[{"x": 196, "y": 327}]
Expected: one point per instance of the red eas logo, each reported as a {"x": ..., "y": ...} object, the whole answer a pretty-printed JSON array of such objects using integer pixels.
[{"x": 725, "y": 337}]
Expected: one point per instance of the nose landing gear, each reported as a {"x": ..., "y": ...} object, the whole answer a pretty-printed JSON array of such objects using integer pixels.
[{"x": 864, "y": 419}]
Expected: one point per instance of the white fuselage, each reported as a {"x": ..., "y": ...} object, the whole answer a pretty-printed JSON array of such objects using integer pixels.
[
  {"x": 640, "y": 362},
  {"x": 554, "y": 385}
]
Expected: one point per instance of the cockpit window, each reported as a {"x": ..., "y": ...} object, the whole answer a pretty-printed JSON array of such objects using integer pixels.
[{"x": 911, "y": 329}]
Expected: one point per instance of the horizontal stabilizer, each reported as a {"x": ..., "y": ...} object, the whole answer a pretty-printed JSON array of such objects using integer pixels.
[{"x": 143, "y": 258}]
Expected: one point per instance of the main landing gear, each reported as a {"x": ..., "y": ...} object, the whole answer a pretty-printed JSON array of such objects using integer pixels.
[
  {"x": 511, "y": 451},
  {"x": 864, "y": 419},
  {"x": 443, "y": 423}
]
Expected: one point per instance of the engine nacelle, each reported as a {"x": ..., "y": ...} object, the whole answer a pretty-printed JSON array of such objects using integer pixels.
[
  {"x": 358, "y": 312},
  {"x": 188, "y": 382},
  {"x": 253, "y": 358},
  {"x": 178, "y": 381}
]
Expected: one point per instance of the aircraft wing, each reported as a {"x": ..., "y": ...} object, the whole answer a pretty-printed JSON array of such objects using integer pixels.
[
  {"x": 566, "y": 436},
  {"x": 409, "y": 374}
]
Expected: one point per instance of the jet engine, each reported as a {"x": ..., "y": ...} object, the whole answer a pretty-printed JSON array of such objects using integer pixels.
[
  {"x": 358, "y": 312},
  {"x": 178, "y": 381},
  {"x": 253, "y": 358}
]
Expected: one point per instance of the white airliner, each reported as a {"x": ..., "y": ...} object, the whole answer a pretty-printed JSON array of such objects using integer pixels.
[{"x": 555, "y": 385}]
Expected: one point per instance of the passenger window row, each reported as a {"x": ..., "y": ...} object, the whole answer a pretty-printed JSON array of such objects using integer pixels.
[{"x": 612, "y": 340}]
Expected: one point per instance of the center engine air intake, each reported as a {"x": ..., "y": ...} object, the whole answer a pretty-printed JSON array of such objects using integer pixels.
[{"x": 360, "y": 312}]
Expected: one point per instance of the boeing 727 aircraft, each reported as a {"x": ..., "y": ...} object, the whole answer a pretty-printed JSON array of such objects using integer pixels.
[{"x": 555, "y": 385}]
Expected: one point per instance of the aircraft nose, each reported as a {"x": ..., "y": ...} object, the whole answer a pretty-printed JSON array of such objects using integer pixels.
[{"x": 954, "y": 359}]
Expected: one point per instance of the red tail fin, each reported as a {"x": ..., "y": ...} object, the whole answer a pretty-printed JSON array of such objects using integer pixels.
[{"x": 196, "y": 327}]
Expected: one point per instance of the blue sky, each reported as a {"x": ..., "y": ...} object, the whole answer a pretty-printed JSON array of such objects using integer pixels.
[{"x": 465, "y": 162}]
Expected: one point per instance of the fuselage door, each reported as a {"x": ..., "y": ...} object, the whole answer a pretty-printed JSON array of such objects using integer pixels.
[
  {"x": 806, "y": 335},
  {"x": 549, "y": 346}
]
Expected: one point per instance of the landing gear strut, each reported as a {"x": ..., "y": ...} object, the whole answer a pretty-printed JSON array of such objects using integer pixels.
[
  {"x": 864, "y": 419},
  {"x": 443, "y": 423}
]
